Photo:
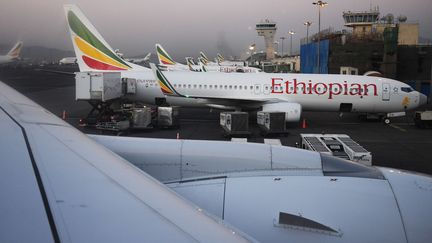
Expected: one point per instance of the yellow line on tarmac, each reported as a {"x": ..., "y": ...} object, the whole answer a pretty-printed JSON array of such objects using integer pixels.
[{"x": 397, "y": 127}]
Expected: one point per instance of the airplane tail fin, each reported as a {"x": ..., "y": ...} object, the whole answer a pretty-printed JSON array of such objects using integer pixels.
[
  {"x": 163, "y": 56},
  {"x": 190, "y": 61},
  {"x": 92, "y": 51},
  {"x": 201, "y": 61},
  {"x": 204, "y": 58},
  {"x": 147, "y": 57},
  {"x": 165, "y": 85},
  {"x": 15, "y": 51},
  {"x": 220, "y": 58}
]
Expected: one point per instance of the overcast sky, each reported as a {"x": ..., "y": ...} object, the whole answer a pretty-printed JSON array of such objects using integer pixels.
[{"x": 184, "y": 27}]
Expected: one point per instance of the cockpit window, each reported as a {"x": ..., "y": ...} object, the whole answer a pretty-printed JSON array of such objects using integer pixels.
[{"x": 407, "y": 89}]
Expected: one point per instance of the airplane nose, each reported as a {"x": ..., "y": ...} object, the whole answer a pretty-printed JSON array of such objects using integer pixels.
[{"x": 422, "y": 99}]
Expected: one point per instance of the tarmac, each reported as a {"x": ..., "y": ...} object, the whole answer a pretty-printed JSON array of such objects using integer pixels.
[{"x": 398, "y": 145}]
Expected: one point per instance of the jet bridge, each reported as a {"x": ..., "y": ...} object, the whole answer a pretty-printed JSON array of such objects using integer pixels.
[{"x": 338, "y": 145}]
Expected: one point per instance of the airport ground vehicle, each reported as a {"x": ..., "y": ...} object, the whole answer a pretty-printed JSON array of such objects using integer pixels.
[{"x": 423, "y": 119}]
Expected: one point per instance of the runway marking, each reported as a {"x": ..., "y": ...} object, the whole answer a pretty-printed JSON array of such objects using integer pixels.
[{"x": 397, "y": 127}]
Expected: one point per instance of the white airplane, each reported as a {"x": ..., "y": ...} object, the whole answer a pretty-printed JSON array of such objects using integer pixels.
[
  {"x": 167, "y": 63},
  {"x": 139, "y": 60},
  {"x": 289, "y": 93},
  {"x": 283, "y": 194},
  {"x": 227, "y": 67},
  {"x": 13, "y": 54},
  {"x": 221, "y": 61},
  {"x": 60, "y": 186},
  {"x": 68, "y": 60}
]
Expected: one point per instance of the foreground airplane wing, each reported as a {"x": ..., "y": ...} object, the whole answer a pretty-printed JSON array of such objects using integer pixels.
[{"x": 59, "y": 186}]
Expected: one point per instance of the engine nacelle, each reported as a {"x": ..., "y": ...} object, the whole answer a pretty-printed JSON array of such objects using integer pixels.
[{"x": 292, "y": 110}]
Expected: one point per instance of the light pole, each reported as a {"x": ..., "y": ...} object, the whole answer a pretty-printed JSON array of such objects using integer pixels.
[
  {"x": 282, "y": 52},
  {"x": 307, "y": 23},
  {"x": 277, "y": 46},
  {"x": 320, "y": 5},
  {"x": 251, "y": 48},
  {"x": 291, "y": 33}
]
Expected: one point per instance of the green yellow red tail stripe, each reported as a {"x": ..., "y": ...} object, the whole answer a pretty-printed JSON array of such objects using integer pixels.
[
  {"x": 95, "y": 54},
  {"x": 166, "y": 87},
  {"x": 164, "y": 58}
]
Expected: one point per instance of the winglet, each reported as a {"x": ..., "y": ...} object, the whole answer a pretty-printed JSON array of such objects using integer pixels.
[
  {"x": 92, "y": 51},
  {"x": 15, "y": 51},
  {"x": 165, "y": 85}
]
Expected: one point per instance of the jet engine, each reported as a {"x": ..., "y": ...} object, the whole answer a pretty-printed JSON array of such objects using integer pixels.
[{"x": 292, "y": 110}]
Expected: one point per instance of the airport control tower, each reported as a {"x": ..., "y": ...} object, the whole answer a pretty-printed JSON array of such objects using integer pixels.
[
  {"x": 361, "y": 22},
  {"x": 267, "y": 29}
]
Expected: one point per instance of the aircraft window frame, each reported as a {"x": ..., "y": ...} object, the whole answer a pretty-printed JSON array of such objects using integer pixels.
[
  {"x": 230, "y": 86},
  {"x": 407, "y": 89},
  {"x": 205, "y": 86},
  {"x": 210, "y": 86},
  {"x": 225, "y": 86},
  {"x": 200, "y": 86},
  {"x": 189, "y": 86},
  {"x": 235, "y": 86},
  {"x": 195, "y": 86}
]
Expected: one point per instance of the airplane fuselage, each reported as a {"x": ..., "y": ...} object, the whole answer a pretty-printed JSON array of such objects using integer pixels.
[
  {"x": 312, "y": 91},
  {"x": 5, "y": 59}
]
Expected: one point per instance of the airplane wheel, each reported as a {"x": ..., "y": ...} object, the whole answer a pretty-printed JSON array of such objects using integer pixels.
[{"x": 386, "y": 120}]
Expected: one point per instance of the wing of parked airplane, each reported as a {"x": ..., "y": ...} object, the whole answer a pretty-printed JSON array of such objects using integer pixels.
[{"x": 59, "y": 186}]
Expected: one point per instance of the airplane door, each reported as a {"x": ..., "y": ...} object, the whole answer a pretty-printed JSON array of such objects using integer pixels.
[{"x": 386, "y": 92}]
